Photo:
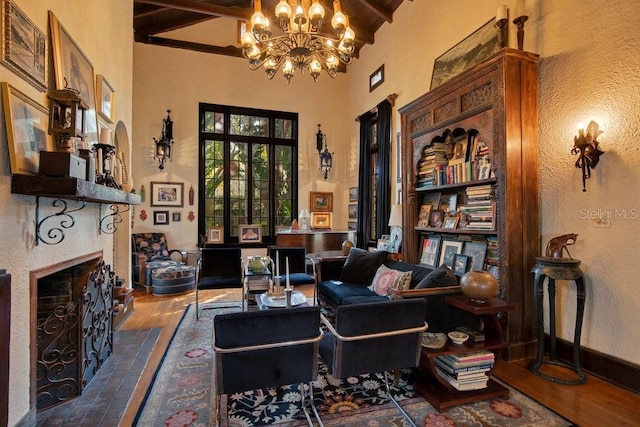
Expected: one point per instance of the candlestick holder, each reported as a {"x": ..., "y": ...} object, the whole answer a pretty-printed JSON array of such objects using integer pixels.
[
  {"x": 277, "y": 289},
  {"x": 105, "y": 178},
  {"x": 519, "y": 21},
  {"x": 501, "y": 26}
]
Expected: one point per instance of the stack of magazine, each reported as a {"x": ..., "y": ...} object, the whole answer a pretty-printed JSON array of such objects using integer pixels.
[{"x": 466, "y": 371}]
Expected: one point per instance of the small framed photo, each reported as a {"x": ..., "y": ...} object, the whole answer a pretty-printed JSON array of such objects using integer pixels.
[
  {"x": 175, "y": 216},
  {"x": 423, "y": 215},
  {"x": 477, "y": 250},
  {"x": 250, "y": 233},
  {"x": 395, "y": 241},
  {"x": 283, "y": 228},
  {"x": 460, "y": 150},
  {"x": 450, "y": 222},
  {"x": 105, "y": 95},
  {"x": 27, "y": 124},
  {"x": 352, "y": 225},
  {"x": 461, "y": 264},
  {"x": 321, "y": 221},
  {"x": 449, "y": 250},
  {"x": 320, "y": 201},
  {"x": 353, "y": 194},
  {"x": 383, "y": 243},
  {"x": 435, "y": 218},
  {"x": 353, "y": 211},
  {"x": 167, "y": 194},
  {"x": 376, "y": 78},
  {"x": 430, "y": 251},
  {"x": 160, "y": 217},
  {"x": 216, "y": 235}
]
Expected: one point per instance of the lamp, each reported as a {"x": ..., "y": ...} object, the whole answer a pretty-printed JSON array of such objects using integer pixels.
[
  {"x": 586, "y": 147},
  {"x": 304, "y": 220},
  {"x": 326, "y": 156},
  {"x": 164, "y": 143},
  {"x": 521, "y": 18},
  {"x": 301, "y": 46},
  {"x": 395, "y": 222}
]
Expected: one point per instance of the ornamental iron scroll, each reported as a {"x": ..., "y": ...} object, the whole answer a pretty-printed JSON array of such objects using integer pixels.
[
  {"x": 110, "y": 227},
  {"x": 55, "y": 234}
]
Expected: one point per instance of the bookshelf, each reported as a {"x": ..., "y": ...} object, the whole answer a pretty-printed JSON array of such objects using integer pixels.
[{"x": 479, "y": 131}]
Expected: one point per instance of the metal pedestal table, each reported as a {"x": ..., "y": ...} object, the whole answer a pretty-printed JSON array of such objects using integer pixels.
[{"x": 558, "y": 269}]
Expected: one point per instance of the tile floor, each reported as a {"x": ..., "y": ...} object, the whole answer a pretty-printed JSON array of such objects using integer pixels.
[{"x": 105, "y": 399}]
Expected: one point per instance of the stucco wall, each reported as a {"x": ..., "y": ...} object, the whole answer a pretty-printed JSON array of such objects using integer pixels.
[
  {"x": 91, "y": 23},
  {"x": 589, "y": 57}
]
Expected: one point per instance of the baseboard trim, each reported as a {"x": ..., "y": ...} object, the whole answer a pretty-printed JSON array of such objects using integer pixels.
[{"x": 609, "y": 368}]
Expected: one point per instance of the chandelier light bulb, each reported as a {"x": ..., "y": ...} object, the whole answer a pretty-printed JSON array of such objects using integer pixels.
[
  {"x": 258, "y": 21},
  {"x": 283, "y": 10},
  {"x": 316, "y": 14}
]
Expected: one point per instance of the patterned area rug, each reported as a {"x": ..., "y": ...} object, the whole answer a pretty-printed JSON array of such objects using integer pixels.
[{"x": 181, "y": 396}]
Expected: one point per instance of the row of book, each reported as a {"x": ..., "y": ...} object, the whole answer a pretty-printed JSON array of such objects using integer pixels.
[
  {"x": 468, "y": 371},
  {"x": 480, "y": 208}
]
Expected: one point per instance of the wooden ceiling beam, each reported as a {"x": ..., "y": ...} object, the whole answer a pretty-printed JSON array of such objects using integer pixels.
[
  {"x": 201, "y": 7},
  {"x": 198, "y": 47},
  {"x": 144, "y": 10},
  {"x": 380, "y": 11}
]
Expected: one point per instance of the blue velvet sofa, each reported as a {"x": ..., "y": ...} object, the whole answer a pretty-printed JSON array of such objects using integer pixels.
[{"x": 342, "y": 282}]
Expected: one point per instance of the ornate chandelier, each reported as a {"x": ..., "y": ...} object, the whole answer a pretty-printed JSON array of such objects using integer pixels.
[{"x": 301, "y": 46}]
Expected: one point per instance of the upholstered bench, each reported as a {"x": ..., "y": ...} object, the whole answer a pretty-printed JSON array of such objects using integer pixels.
[{"x": 172, "y": 279}]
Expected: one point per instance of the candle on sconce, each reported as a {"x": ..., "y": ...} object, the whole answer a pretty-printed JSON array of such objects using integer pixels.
[
  {"x": 278, "y": 264},
  {"x": 288, "y": 283},
  {"x": 501, "y": 13},
  {"x": 520, "y": 8},
  {"x": 99, "y": 160}
]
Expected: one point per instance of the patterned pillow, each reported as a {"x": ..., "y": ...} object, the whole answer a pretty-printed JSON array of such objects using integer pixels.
[{"x": 386, "y": 278}]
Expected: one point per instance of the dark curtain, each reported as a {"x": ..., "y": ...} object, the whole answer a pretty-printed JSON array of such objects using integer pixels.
[
  {"x": 364, "y": 180},
  {"x": 383, "y": 168}
]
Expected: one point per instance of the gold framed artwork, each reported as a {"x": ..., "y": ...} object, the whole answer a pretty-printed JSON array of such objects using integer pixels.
[
  {"x": 105, "y": 95},
  {"x": 320, "y": 201},
  {"x": 321, "y": 220},
  {"x": 73, "y": 70},
  {"x": 24, "y": 46},
  {"x": 27, "y": 124},
  {"x": 167, "y": 194}
]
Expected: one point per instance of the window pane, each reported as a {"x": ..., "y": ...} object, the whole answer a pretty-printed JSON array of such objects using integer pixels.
[
  {"x": 283, "y": 185},
  {"x": 214, "y": 183},
  {"x": 284, "y": 128},
  {"x": 249, "y": 125},
  {"x": 238, "y": 184}
]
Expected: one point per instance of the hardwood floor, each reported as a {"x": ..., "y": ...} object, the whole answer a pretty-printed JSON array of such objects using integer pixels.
[{"x": 596, "y": 403}]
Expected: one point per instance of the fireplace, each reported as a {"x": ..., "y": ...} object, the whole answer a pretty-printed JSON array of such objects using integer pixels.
[{"x": 72, "y": 334}]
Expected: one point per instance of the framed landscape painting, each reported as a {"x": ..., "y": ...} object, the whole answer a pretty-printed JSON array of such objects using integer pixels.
[{"x": 167, "y": 194}]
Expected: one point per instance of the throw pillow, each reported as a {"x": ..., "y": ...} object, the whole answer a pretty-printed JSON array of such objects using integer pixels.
[
  {"x": 386, "y": 278},
  {"x": 441, "y": 276},
  {"x": 361, "y": 266}
]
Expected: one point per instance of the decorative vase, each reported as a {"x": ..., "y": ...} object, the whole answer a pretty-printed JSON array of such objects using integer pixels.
[
  {"x": 257, "y": 265},
  {"x": 479, "y": 285},
  {"x": 346, "y": 247}
]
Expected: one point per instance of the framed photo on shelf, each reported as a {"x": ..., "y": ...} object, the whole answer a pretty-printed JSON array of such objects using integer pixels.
[
  {"x": 24, "y": 46},
  {"x": 353, "y": 211},
  {"x": 106, "y": 99},
  {"x": 283, "y": 228},
  {"x": 424, "y": 215},
  {"x": 73, "y": 69},
  {"x": 352, "y": 225},
  {"x": 450, "y": 222},
  {"x": 167, "y": 194},
  {"x": 395, "y": 241},
  {"x": 435, "y": 218},
  {"x": 160, "y": 217},
  {"x": 383, "y": 243},
  {"x": 461, "y": 264},
  {"x": 321, "y": 221},
  {"x": 353, "y": 194},
  {"x": 27, "y": 124},
  {"x": 449, "y": 250},
  {"x": 475, "y": 48},
  {"x": 477, "y": 251},
  {"x": 320, "y": 201},
  {"x": 216, "y": 235},
  {"x": 250, "y": 233},
  {"x": 430, "y": 251}
]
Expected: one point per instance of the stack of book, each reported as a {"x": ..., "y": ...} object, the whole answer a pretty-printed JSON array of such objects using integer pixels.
[
  {"x": 432, "y": 158},
  {"x": 466, "y": 371},
  {"x": 480, "y": 208}
]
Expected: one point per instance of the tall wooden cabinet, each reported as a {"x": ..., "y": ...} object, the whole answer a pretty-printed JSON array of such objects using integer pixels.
[{"x": 497, "y": 101}]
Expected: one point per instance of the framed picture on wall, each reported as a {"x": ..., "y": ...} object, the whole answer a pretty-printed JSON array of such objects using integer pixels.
[
  {"x": 167, "y": 194},
  {"x": 353, "y": 194},
  {"x": 106, "y": 99},
  {"x": 321, "y": 221},
  {"x": 160, "y": 217},
  {"x": 320, "y": 201}
]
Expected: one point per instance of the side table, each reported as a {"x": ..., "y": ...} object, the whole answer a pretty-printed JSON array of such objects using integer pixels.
[
  {"x": 558, "y": 269},
  {"x": 255, "y": 282}
]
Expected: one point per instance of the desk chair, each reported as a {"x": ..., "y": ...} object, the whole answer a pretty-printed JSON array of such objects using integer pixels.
[
  {"x": 267, "y": 348},
  {"x": 374, "y": 337},
  {"x": 219, "y": 268},
  {"x": 299, "y": 266}
]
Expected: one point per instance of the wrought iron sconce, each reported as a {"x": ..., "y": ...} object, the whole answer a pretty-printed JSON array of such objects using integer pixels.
[
  {"x": 165, "y": 142},
  {"x": 586, "y": 147},
  {"x": 326, "y": 157}
]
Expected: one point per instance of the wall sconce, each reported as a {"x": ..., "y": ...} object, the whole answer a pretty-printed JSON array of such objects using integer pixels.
[
  {"x": 586, "y": 147},
  {"x": 326, "y": 157},
  {"x": 164, "y": 143}
]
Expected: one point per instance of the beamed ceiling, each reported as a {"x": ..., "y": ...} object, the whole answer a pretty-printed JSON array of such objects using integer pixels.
[{"x": 153, "y": 17}]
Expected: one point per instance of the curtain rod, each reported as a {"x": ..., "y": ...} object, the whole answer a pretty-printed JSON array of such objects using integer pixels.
[{"x": 392, "y": 100}]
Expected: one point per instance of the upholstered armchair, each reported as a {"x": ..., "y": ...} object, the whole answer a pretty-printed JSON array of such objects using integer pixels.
[{"x": 149, "y": 251}]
